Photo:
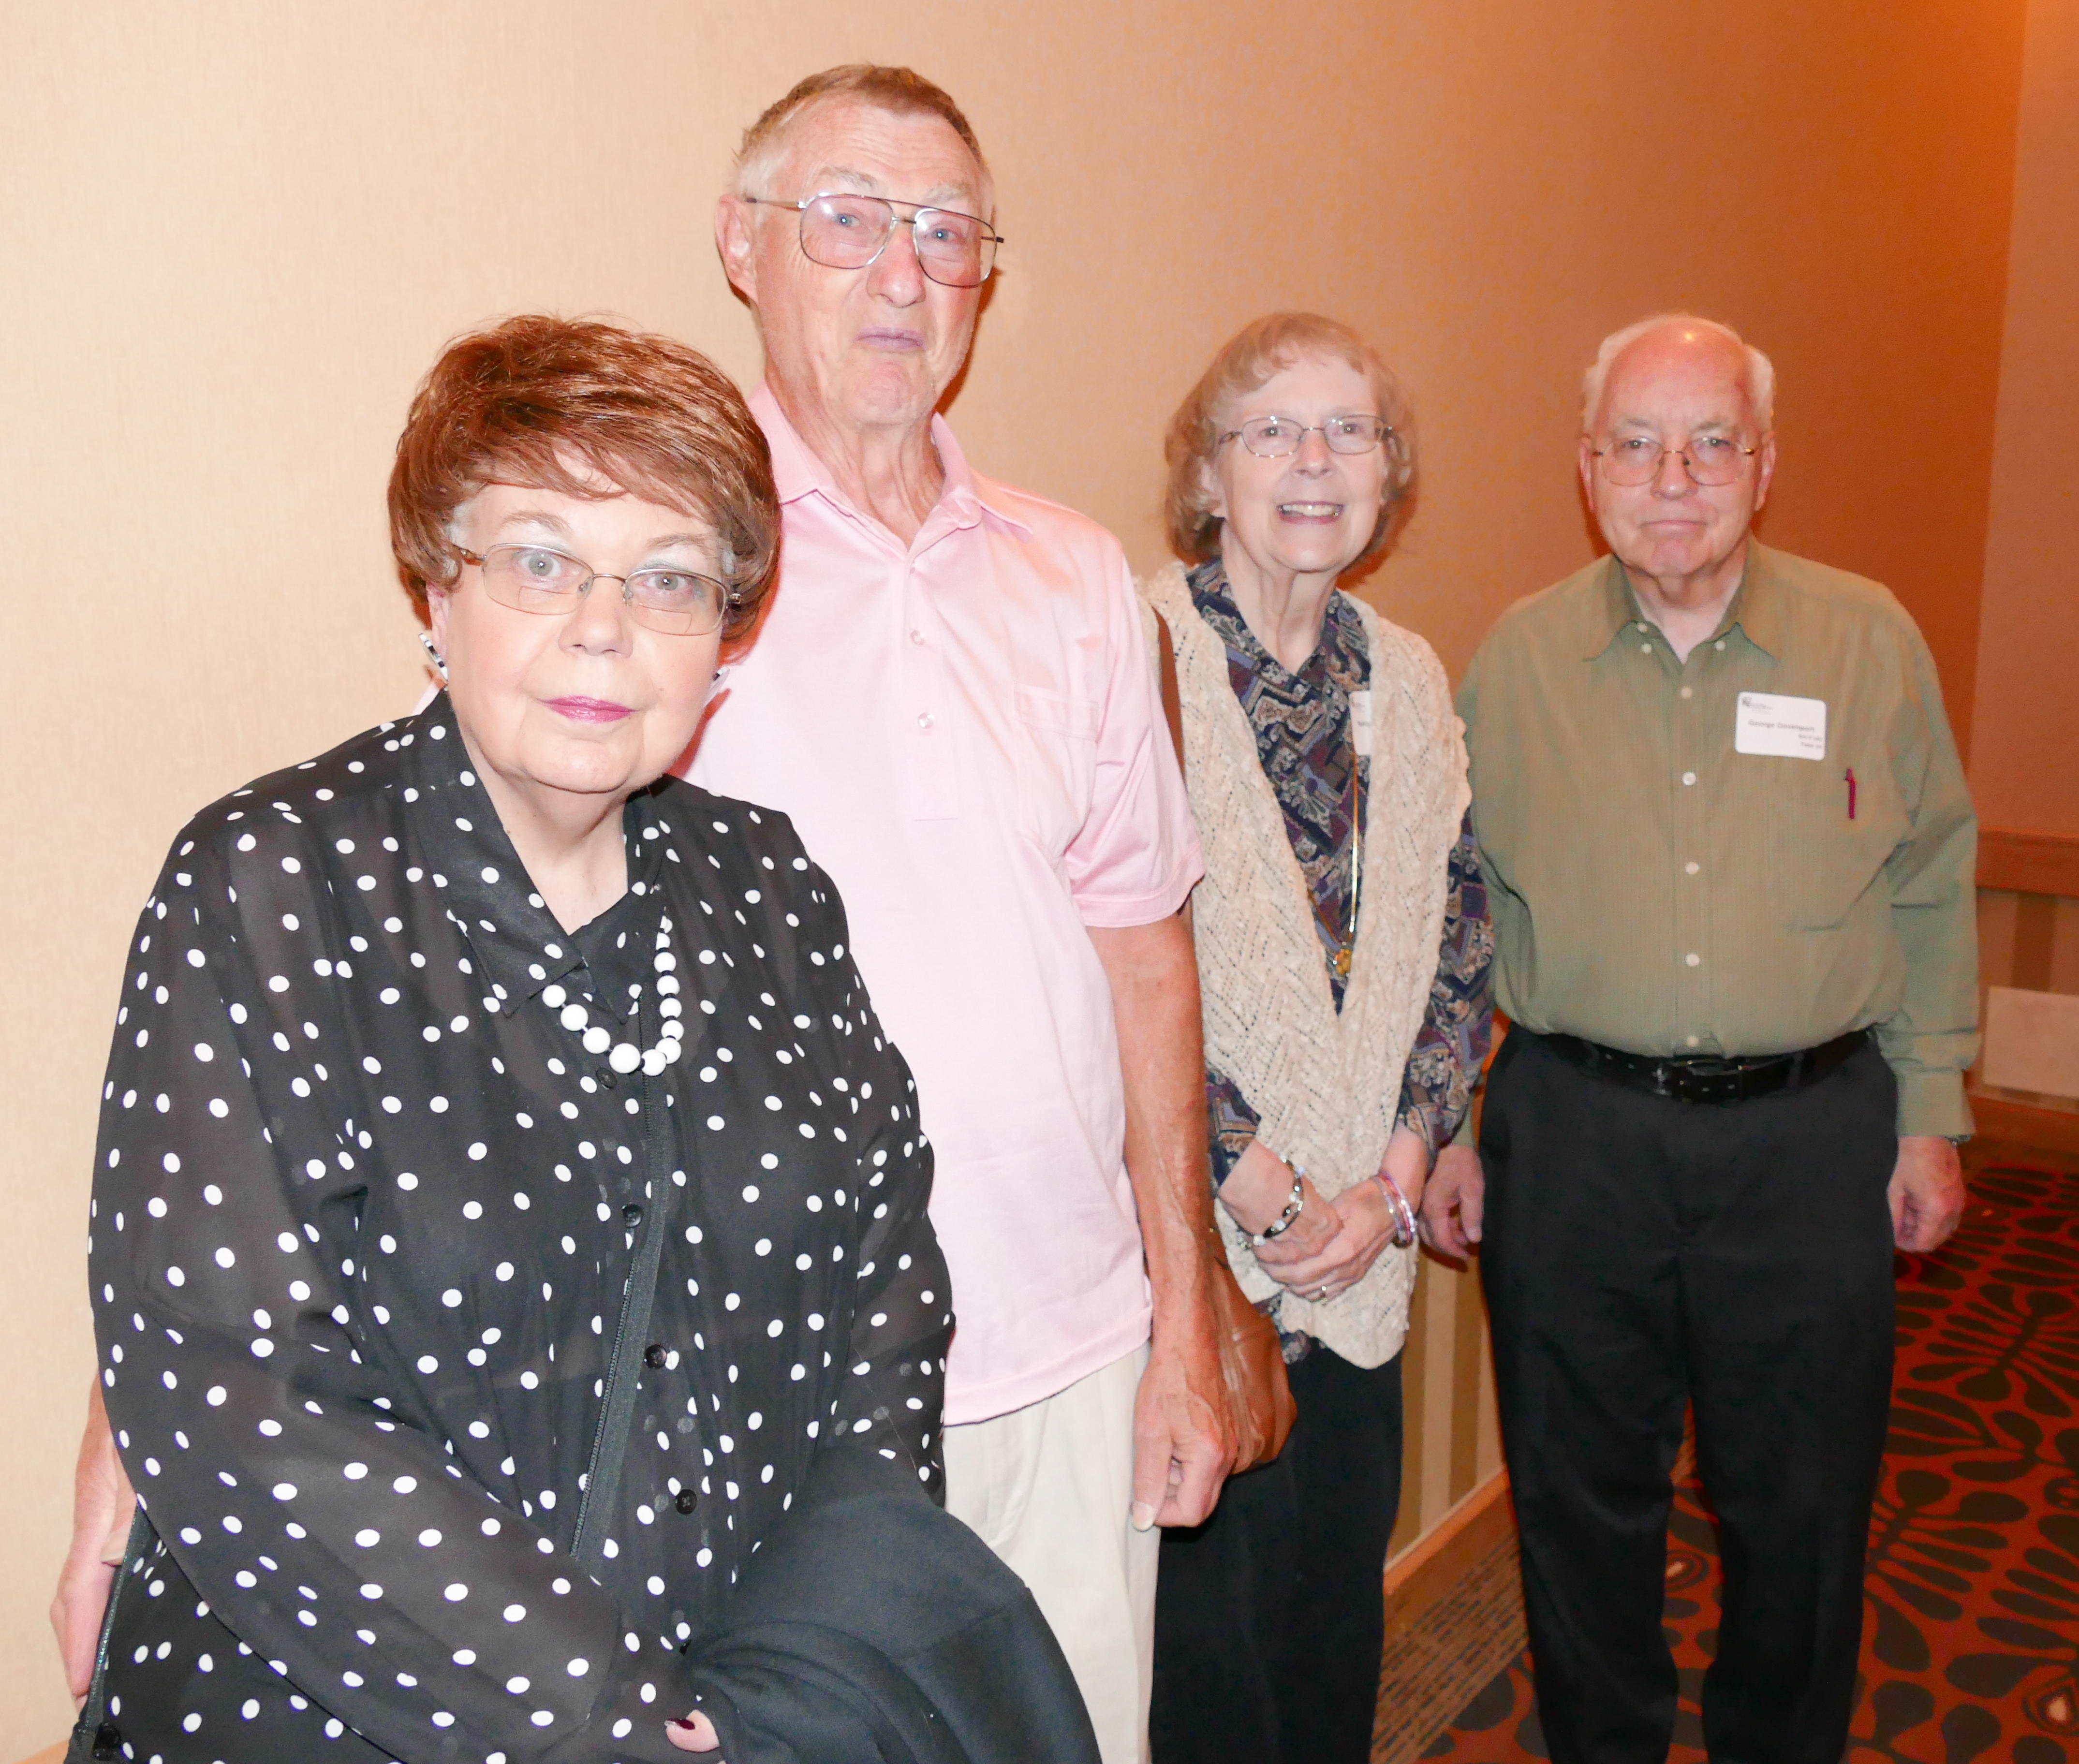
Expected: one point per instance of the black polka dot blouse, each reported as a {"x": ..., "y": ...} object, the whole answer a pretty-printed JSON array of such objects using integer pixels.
[{"x": 378, "y": 1145}]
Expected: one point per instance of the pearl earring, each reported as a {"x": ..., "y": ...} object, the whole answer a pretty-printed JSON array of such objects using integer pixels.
[{"x": 440, "y": 667}]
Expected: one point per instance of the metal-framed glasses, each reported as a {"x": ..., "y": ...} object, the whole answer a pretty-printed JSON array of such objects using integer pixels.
[
  {"x": 1633, "y": 460},
  {"x": 841, "y": 230},
  {"x": 1276, "y": 437},
  {"x": 538, "y": 578}
]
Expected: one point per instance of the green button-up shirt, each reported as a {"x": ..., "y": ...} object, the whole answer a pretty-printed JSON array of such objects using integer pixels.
[{"x": 1654, "y": 889}]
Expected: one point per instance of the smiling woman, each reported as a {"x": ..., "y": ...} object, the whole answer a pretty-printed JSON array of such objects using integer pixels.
[
  {"x": 510, "y": 1218},
  {"x": 1343, "y": 953}
]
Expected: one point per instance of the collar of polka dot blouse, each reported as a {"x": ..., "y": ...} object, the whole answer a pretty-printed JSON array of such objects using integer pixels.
[{"x": 624, "y": 1056}]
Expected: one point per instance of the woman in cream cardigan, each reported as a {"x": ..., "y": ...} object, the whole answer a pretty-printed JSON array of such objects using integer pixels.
[{"x": 1343, "y": 954}]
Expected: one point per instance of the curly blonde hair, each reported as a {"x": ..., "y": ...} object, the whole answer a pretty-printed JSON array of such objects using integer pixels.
[{"x": 1264, "y": 347}]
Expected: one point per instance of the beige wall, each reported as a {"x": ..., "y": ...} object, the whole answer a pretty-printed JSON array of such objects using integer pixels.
[
  {"x": 2025, "y": 762},
  {"x": 232, "y": 234}
]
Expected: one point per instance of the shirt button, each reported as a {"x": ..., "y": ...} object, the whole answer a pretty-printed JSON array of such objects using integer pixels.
[
  {"x": 1691, "y": 866},
  {"x": 1693, "y": 959},
  {"x": 1719, "y": 645},
  {"x": 685, "y": 1500},
  {"x": 632, "y": 1214},
  {"x": 915, "y": 636},
  {"x": 924, "y": 722},
  {"x": 1646, "y": 649},
  {"x": 1690, "y": 1040},
  {"x": 654, "y": 1356},
  {"x": 1640, "y": 627},
  {"x": 1687, "y": 693},
  {"x": 1688, "y": 777}
]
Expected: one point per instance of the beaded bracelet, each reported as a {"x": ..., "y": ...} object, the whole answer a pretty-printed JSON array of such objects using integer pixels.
[{"x": 1293, "y": 1206}]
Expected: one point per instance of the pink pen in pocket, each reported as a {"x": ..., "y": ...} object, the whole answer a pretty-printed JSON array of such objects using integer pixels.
[{"x": 1851, "y": 792}]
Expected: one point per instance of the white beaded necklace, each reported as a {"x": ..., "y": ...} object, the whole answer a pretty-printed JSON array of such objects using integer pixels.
[{"x": 624, "y": 1056}]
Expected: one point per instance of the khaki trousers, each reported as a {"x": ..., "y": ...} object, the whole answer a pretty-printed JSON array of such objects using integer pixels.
[{"x": 1048, "y": 1487}]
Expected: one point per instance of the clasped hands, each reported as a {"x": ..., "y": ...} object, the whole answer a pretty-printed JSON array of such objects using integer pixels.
[{"x": 1331, "y": 1244}]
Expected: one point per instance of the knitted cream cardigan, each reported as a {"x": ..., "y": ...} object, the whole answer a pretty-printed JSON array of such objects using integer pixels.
[{"x": 1325, "y": 1085}]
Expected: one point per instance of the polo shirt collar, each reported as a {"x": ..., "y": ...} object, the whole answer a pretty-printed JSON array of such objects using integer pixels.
[
  {"x": 797, "y": 473},
  {"x": 1756, "y": 612}
]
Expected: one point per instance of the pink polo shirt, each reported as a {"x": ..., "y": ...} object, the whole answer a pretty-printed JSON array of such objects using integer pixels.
[{"x": 965, "y": 734}]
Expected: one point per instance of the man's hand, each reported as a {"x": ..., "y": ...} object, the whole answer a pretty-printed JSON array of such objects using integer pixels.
[
  {"x": 102, "y": 1502},
  {"x": 1184, "y": 1437},
  {"x": 1454, "y": 1203},
  {"x": 1927, "y": 1192}
]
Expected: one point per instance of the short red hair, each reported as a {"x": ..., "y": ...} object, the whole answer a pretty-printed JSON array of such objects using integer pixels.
[{"x": 514, "y": 403}]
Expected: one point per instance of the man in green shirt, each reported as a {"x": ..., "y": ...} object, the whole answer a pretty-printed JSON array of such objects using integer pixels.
[{"x": 1730, "y": 856}]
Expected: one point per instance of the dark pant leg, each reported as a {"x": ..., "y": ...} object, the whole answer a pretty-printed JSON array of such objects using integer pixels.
[
  {"x": 1578, "y": 1262},
  {"x": 1346, "y": 1472},
  {"x": 1223, "y": 1592},
  {"x": 1787, "y": 1315}
]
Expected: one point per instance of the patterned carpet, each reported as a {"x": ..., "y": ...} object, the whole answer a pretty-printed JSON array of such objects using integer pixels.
[{"x": 1970, "y": 1632}]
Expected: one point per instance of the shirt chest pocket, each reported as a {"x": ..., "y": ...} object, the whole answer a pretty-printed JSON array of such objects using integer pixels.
[
  {"x": 1829, "y": 839},
  {"x": 1057, "y": 749}
]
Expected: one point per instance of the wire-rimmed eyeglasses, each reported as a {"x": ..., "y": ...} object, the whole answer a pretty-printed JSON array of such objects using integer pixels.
[
  {"x": 843, "y": 230},
  {"x": 539, "y": 579},
  {"x": 1711, "y": 460},
  {"x": 1275, "y": 437}
]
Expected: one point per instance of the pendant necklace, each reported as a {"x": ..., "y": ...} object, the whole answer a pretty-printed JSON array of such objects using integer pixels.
[
  {"x": 1341, "y": 960},
  {"x": 624, "y": 1056}
]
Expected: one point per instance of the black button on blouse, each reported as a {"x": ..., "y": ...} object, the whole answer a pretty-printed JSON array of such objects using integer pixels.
[{"x": 375, "y": 1158}]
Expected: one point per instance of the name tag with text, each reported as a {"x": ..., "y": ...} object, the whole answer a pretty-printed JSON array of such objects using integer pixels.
[
  {"x": 1361, "y": 721},
  {"x": 1782, "y": 727}
]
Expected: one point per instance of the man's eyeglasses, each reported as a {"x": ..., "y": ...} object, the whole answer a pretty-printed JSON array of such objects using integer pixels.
[
  {"x": 1709, "y": 459},
  {"x": 534, "y": 579},
  {"x": 841, "y": 231},
  {"x": 1275, "y": 437}
]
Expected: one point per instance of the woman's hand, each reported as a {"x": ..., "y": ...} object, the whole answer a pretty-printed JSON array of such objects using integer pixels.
[
  {"x": 102, "y": 1505},
  {"x": 1364, "y": 1225},
  {"x": 1259, "y": 1189},
  {"x": 696, "y": 1733}
]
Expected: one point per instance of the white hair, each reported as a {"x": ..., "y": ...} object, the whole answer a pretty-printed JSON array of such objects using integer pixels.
[
  {"x": 1760, "y": 374},
  {"x": 767, "y": 143}
]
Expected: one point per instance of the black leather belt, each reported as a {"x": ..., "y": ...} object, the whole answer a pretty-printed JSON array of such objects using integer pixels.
[{"x": 1706, "y": 1077}]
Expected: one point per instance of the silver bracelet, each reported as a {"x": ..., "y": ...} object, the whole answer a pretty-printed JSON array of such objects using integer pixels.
[
  {"x": 1293, "y": 1206},
  {"x": 1404, "y": 1214}
]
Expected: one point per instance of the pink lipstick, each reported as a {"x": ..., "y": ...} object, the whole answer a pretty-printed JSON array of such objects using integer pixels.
[{"x": 588, "y": 710}]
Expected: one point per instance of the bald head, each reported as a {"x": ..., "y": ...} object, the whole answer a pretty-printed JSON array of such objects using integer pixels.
[{"x": 1667, "y": 339}]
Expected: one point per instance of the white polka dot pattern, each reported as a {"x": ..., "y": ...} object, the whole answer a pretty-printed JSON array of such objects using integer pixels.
[{"x": 364, "y": 1211}]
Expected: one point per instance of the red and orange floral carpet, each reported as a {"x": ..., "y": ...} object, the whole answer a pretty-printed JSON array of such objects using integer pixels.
[{"x": 1971, "y": 1630}]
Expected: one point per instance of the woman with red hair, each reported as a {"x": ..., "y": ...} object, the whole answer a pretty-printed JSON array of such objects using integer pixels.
[{"x": 516, "y": 1308}]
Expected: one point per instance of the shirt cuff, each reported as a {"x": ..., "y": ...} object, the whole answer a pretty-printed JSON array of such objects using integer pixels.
[{"x": 1932, "y": 1103}]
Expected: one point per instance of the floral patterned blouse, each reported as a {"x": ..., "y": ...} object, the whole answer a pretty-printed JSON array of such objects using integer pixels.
[{"x": 1308, "y": 748}]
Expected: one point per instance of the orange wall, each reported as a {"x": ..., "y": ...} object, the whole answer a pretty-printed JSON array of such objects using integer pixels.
[
  {"x": 2025, "y": 761},
  {"x": 235, "y": 231}
]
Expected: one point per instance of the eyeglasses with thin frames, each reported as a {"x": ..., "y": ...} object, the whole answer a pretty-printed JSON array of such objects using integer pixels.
[
  {"x": 541, "y": 580},
  {"x": 843, "y": 230},
  {"x": 1278, "y": 437},
  {"x": 1710, "y": 460}
]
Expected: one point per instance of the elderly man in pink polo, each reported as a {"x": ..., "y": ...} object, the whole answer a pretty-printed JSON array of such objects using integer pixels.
[{"x": 951, "y": 699}]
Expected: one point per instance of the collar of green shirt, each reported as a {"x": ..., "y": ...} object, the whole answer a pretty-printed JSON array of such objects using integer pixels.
[{"x": 1756, "y": 615}]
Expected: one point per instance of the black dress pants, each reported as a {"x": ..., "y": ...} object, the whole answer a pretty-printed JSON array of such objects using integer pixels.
[
  {"x": 1639, "y": 1253},
  {"x": 1269, "y": 1618}
]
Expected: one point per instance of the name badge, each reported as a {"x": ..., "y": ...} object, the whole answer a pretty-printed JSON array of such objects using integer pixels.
[
  {"x": 1361, "y": 721},
  {"x": 1782, "y": 727}
]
